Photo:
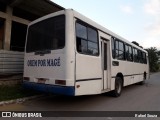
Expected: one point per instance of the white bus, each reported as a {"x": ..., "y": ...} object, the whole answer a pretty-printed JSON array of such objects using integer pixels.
[{"x": 69, "y": 54}]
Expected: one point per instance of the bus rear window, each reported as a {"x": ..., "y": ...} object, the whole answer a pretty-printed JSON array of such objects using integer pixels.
[{"x": 45, "y": 35}]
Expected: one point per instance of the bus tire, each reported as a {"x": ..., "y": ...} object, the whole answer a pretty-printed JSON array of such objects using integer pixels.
[
  {"x": 118, "y": 87},
  {"x": 144, "y": 79},
  {"x": 142, "y": 82}
]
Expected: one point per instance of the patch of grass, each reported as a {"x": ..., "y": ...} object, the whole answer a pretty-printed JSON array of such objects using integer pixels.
[{"x": 14, "y": 92}]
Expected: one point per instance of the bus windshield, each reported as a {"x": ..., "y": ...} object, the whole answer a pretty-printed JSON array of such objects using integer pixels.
[{"x": 45, "y": 35}]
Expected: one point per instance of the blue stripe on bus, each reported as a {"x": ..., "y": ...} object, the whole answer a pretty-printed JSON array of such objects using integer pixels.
[{"x": 62, "y": 90}]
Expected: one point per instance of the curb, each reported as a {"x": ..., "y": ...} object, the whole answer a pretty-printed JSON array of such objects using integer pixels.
[{"x": 19, "y": 100}]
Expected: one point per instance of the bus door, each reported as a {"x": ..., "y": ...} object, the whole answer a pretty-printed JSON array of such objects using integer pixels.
[{"x": 105, "y": 52}]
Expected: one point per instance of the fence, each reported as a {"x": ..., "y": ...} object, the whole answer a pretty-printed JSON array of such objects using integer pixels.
[{"x": 11, "y": 62}]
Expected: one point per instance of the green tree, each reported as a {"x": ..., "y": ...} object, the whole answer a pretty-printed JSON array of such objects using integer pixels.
[
  {"x": 153, "y": 59},
  {"x": 134, "y": 42},
  {"x": 158, "y": 52},
  {"x": 159, "y": 59}
]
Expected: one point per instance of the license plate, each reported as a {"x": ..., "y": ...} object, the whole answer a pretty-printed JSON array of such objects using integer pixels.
[{"x": 41, "y": 80}]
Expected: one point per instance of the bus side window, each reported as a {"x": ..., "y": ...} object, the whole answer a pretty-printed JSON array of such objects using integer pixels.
[
  {"x": 113, "y": 47},
  {"x": 87, "y": 40},
  {"x": 144, "y": 58},
  {"x": 116, "y": 49},
  {"x": 127, "y": 52},
  {"x": 81, "y": 33},
  {"x": 130, "y": 53},
  {"x": 141, "y": 57},
  {"x": 135, "y": 55},
  {"x": 81, "y": 45},
  {"x": 92, "y": 42},
  {"x": 120, "y": 53}
]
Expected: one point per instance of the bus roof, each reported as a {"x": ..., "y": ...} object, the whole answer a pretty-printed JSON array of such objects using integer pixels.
[
  {"x": 103, "y": 29},
  {"x": 88, "y": 21}
]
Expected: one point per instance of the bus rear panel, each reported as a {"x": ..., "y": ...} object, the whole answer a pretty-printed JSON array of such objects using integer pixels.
[{"x": 48, "y": 67}]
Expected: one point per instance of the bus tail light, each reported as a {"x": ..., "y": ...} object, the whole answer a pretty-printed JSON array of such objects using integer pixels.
[
  {"x": 60, "y": 82},
  {"x": 42, "y": 80},
  {"x": 78, "y": 86},
  {"x": 26, "y": 78}
]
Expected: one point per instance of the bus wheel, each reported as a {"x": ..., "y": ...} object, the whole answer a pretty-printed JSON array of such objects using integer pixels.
[
  {"x": 144, "y": 80},
  {"x": 118, "y": 87}
]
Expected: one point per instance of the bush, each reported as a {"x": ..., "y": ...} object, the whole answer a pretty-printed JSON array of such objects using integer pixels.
[{"x": 14, "y": 92}]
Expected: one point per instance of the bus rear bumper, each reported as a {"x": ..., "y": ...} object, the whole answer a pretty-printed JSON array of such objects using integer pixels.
[{"x": 55, "y": 89}]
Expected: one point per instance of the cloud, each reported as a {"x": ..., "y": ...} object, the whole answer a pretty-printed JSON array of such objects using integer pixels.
[
  {"x": 152, "y": 7},
  {"x": 150, "y": 41},
  {"x": 152, "y": 36},
  {"x": 152, "y": 29},
  {"x": 127, "y": 9}
]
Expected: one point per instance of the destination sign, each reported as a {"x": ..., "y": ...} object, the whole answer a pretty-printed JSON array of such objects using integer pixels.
[{"x": 44, "y": 62}]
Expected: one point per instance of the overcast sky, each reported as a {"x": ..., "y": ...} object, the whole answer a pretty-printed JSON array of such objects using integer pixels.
[{"x": 134, "y": 20}]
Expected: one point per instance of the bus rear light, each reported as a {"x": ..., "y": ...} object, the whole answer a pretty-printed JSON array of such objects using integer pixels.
[
  {"x": 41, "y": 80},
  {"x": 78, "y": 86},
  {"x": 60, "y": 82},
  {"x": 26, "y": 78}
]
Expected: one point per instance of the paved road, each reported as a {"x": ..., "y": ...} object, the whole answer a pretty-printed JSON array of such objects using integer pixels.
[{"x": 133, "y": 98}]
